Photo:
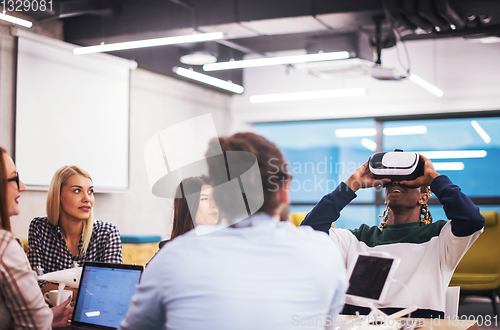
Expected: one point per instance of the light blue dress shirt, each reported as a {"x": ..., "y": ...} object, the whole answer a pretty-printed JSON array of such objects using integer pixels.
[{"x": 265, "y": 274}]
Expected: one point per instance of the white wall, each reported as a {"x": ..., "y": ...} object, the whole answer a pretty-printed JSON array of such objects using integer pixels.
[
  {"x": 468, "y": 74},
  {"x": 156, "y": 102}
]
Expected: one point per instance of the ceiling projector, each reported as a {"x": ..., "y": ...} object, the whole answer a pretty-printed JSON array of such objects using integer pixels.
[{"x": 381, "y": 73}]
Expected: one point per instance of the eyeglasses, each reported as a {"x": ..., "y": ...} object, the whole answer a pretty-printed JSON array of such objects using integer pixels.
[{"x": 15, "y": 179}]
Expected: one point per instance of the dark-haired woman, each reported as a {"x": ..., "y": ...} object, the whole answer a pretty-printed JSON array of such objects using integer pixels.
[
  {"x": 193, "y": 197},
  {"x": 21, "y": 303}
]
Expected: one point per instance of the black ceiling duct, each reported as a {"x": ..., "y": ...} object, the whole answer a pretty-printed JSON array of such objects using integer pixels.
[
  {"x": 450, "y": 15},
  {"x": 427, "y": 10},
  {"x": 424, "y": 16}
]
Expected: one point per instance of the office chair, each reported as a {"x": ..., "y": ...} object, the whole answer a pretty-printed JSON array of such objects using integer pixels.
[{"x": 478, "y": 273}]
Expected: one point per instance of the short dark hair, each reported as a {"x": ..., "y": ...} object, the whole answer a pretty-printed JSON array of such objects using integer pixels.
[
  {"x": 187, "y": 193},
  {"x": 4, "y": 215},
  {"x": 271, "y": 163}
]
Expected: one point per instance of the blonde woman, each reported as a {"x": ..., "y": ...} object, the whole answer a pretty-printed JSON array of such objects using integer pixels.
[{"x": 69, "y": 234}]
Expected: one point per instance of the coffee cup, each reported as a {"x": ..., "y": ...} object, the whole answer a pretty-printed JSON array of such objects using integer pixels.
[{"x": 51, "y": 296}]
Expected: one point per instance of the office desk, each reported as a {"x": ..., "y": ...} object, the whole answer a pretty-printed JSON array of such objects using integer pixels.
[
  {"x": 434, "y": 324},
  {"x": 446, "y": 324}
]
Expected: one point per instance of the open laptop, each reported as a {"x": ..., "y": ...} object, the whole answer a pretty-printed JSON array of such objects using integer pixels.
[
  {"x": 370, "y": 277},
  {"x": 104, "y": 295}
]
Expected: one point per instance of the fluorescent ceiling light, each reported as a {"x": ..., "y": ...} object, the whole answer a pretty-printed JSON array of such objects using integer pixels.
[
  {"x": 482, "y": 133},
  {"x": 450, "y": 166},
  {"x": 209, "y": 80},
  {"x": 449, "y": 154},
  {"x": 276, "y": 61},
  {"x": 149, "y": 43},
  {"x": 299, "y": 96},
  {"x": 355, "y": 132},
  {"x": 369, "y": 144},
  {"x": 424, "y": 84},
  {"x": 198, "y": 58},
  {"x": 16, "y": 20},
  {"x": 406, "y": 130},
  {"x": 485, "y": 40}
]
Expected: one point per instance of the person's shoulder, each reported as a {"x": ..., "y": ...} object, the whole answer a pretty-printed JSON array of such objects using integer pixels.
[
  {"x": 6, "y": 236},
  {"x": 306, "y": 233},
  {"x": 104, "y": 226},
  {"x": 40, "y": 221},
  {"x": 437, "y": 226},
  {"x": 39, "y": 224}
]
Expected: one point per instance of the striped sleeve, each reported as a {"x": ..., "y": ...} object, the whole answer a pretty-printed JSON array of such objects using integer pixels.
[{"x": 19, "y": 287}]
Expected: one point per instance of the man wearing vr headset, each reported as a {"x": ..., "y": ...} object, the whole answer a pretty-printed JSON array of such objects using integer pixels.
[{"x": 429, "y": 251}]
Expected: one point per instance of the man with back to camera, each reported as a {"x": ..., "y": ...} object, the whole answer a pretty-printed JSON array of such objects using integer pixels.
[
  {"x": 255, "y": 273},
  {"x": 429, "y": 251}
]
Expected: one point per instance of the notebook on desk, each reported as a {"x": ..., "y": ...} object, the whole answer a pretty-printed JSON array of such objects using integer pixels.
[{"x": 104, "y": 295}]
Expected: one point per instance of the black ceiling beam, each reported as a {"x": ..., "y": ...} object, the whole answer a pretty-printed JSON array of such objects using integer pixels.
[{"x": 138, "y": 17}]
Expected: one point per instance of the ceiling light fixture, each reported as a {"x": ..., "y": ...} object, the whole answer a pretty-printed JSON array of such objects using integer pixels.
[
  {"x": 354, "y": 132},
  {"x": 482, "y": 133},
  {"x": 389, "y": 131},
  {"x": 300, "y": 96},
  {"x": 485, "y": 40},
  {"x": 449, "y": 166},
  {"x": 426, "y": 85},
  {"x": 369, "y": 144},
  {"x": 198, "y": 58},
  {"x": 276, "y": 61},
  {"x": 405, "y": 130},
  {"x": 450, "y": 154},
  {"x": 209, "y": 80},
  {"x": 15, "y": 20},
  {"x": 199, "y": 37}
]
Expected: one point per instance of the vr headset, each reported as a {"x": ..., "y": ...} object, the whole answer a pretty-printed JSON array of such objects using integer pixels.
[{"x": 396, "y": 165}]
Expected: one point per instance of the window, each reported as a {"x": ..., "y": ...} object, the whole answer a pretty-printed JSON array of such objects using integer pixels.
[
  {"x": 321, "y": 154},
  {"x": 467, "y": 150}
]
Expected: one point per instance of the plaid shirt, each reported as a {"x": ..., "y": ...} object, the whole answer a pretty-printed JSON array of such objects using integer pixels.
[
  {"x": 21, "y": 302},
  {"x": 48, "y": 249}
]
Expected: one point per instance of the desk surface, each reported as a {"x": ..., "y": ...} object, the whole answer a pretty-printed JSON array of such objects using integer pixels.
[
  {"x": 447, "y": 324},
  {"x": 435, "y": 324}
]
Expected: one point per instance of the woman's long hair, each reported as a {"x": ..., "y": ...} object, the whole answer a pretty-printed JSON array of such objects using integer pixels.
[
  {"x": 54, "y": 201},
  {"x": 4, "y": 215},
  {"x": 187, "y": 194}
]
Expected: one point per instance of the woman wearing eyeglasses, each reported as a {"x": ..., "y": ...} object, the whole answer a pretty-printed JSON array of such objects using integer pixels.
[
  {"x": 21, "y": 303},
  {"x": 69, "y": 234}
]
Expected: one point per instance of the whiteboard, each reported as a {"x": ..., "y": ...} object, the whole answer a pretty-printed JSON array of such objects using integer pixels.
[{"x": 71, "y": 110}]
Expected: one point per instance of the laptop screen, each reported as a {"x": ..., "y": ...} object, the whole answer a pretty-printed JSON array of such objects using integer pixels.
[
  {"x": 369, "y": 276},
  {"x": 105, "y": 292}
]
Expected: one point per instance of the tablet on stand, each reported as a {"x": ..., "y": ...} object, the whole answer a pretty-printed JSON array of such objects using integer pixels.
[{"x": 369, "y": 281}]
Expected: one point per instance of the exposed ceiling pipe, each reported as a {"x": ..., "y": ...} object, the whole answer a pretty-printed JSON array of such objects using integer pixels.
[
  {"x": 226, "y": 43},
  {"x": 378, "y": 37}
]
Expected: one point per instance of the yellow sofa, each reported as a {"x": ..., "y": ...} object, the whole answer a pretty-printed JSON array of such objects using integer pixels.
[
  {"x": 479, "y": 270},
  {"x": 139, "y": 254},
  {"x": 298, "y": 217},
  {"x": 139, "y": 249}
]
